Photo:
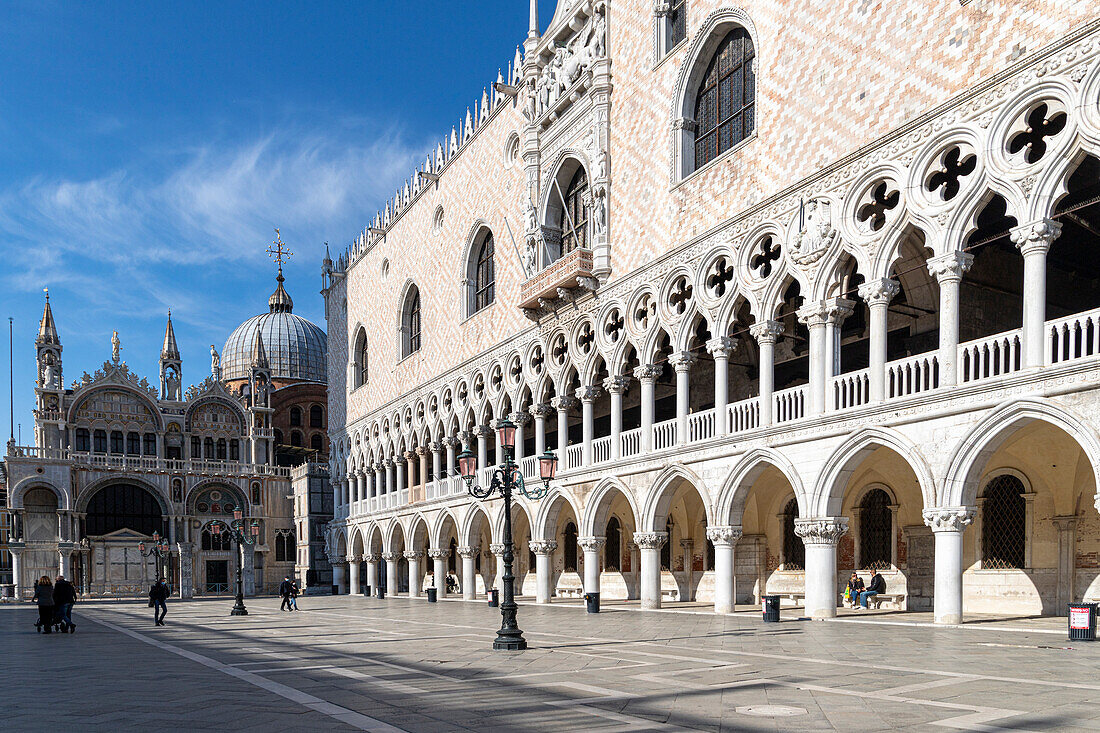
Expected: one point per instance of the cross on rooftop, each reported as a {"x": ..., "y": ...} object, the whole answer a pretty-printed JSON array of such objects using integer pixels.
[{"x": 278, "y": 251}]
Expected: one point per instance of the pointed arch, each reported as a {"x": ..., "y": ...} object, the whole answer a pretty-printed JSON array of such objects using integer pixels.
[
  {"x": 549, "y": 509},
  {"x": 739, "y": 481},
  {"x": 659, "y": 498},
  {"x": 598, "y": 503}
]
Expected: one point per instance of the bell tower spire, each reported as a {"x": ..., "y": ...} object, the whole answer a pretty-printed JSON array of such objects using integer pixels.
[
  {"x": 49, "y": 387},
  {"x": 171, "y": 365}
]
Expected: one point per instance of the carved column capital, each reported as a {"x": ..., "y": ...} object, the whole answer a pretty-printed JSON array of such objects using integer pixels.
[
  {"x": 389, "y": 463},
  {"x": 497, "y": 548},
  {"x": 413, "y": 554},
  {"x": 589, "y": 394},
  {"x": 591, "y": 544},
  {"x": 372, "y": 557},
  {"x": 650, "y": 540},
  {"x": 545, "y": 547},
  {"x": 648, "y": 372},
  {"x": 880, "y": 291},
  {"x": 1036, "y": 237},
  {"x": 813, "y": 314},
  {"x": 391, "y": 556},
  {"x": 950, "y": 267},
  {"x": 421, "y": 450},
  {"x": 437, "y": 553},
  {"x": 721, "y": 347},
  {"x": 468, "y": 552},
  {"x": 520, "y": 418},
  {"x": 542, "y": 409},
  {"x": 484, "y": 431},
  {"x": 724, "y": 536},
  {"x": 821, "y": 530},
  {"x": 564, "y": 403},
  {"x": 616, "y": 385},
  {"x": 687, "y": 543},
  {"x": 681, "y": 361},
  {"x": 451, "y": 442},
  {"x": 837, "y": 309},
  {"x": 949, "y": 518},
  {"x": 766, "y": 331},
  {"x": 436, "y": 446}
]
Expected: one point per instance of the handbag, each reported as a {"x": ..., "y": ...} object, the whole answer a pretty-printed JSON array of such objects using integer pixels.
[{"x": 150, "y": 603}]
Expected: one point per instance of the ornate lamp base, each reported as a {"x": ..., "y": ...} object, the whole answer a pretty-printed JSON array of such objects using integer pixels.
[
  {"x": 242, "y": 611},
  {"x": 509, "y": 644}
]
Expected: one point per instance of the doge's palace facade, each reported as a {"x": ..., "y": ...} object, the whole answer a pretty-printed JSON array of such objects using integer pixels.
[{"x": 790, "y": 289}]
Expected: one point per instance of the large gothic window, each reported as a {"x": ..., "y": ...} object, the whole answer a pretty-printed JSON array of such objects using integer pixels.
[
  {"x": 794, "y": 550},
  {"x": 876, "y": 525},
  {"x": 613, "y": 548},
  {"x": 410, "y": 323},
  {"x": 724, "y": 104},
  {"x": 359, "y": 366},
  {"x": 574, "y": 224},
  {"x": 123, "y": 506},
  {"x": 1004, "y": 513},
  {"x": 484, "y": 274}
]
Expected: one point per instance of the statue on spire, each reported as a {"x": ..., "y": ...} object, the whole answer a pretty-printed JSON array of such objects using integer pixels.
[
  {"x": 215, "y": 363},
  {"x": 116, "y": 348}
]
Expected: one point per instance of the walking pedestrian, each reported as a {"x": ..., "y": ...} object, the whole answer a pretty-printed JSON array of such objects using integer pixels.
[
  {"x": 43, "y": 596},
  {"x": 286, "y": 588},
  {"x": 64, "y": 596},
  {"x": 158, "y": 601},
  {"x": 295, "y": 591}
]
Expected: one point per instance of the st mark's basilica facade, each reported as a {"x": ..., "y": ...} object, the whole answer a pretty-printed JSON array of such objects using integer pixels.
[
  {"x": 117, "y": 458},
  {"x": 789, "y": 288}
]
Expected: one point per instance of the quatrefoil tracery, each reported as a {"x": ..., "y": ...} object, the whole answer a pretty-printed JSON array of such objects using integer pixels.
[
  {"x": 680, "y": 295},
  {"x": 1041, "y": 124},
  {"x": 614, "y": 326},
  {"x": 721, "y": 272},
  {"x": 883, "y": 200},
  {"x": 585, "y": 338},
  {"x": 948, "y": 180},
  {"x": 646, "y": 310},
  {"x": 761, "y": 263}
]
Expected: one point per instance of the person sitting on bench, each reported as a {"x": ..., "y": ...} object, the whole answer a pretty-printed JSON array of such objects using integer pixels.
[{"x": 877, "y": 585}]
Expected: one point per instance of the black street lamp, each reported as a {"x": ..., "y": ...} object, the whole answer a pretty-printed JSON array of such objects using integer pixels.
[
  {"x": 159, "y": 550},
  {"x": 507, "y": 478},
  {"x": 236, "y": 530}
]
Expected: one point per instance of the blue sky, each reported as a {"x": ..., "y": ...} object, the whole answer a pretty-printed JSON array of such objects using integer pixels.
[{"x": 147, "y": 152}]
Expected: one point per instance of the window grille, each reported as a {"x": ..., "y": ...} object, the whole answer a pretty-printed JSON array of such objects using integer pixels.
[
  {"x": 574, "y": 224},
  {"x": 794, "y": 550},
  {"x": 876, "y": 524},
  {"x": 724, "y": 105},
  {"x": 1003, "y": 516},
  {"x": 677, "y": 23},
  {"x": 412, "y": 323},
  {"x": 485, "y": 282}
]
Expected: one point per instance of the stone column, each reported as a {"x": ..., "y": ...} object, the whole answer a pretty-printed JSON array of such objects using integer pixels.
[
  {"x": 408, "y": 480},
  {"x": 544, "y": 581},
  {"x": 948, "y": 270},
  {"x": 391, "y": 467},
  {"x": 766, "y": 333},
  {"x": 948, "y": 525},
  {"x": 17, "y": 571},
  {"x": 413, "y": 557},
  {"x": 422, "y": 454},
  {"x": 65, "y": 563},
  {"x": 591, "y": 547},
  {"x": 687, "y": 546},
  {"x": 812, "y": 315},
  {"x": 682, "y": 362},
  {"x": 497, "y": 549},
  {"x": 354, "y": 586},
  {"x": 379, "y": 480},
  {"x": 647, "y": 376},
  {"x": 483, "y": 432},
  {"x": 878, "y": 294},
  {"x": 616, "y": 387},
  {"x": 338, "y": 577},
  {"x": 439, "y": 570},
  {"x": 837, "y": 310},
  {"x": 539, "y": 413},
  {"x": 721, "y": 348},
  {"x": 469, "y": 571},
  {"x": 1034, "y": 240},
  {"x": 563, "y": 405},
  {"x": 391, "y": 571},
  {"x": 1067, "y": 561},
  {"x": 337, "y": 481},
  {"x": 372, "y": 570},
  {"x": 724, "y": 539},
  {"x": 649, "y": 573},
  {"x": 451, "y": 444},
  {"x": 588, "y": 396},
  {"x": 522, "y": 420},
  {"x": 820, "y": 535}
]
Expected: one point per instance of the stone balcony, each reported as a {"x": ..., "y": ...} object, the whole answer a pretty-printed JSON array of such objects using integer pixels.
[{"x": 572, "y": 271}]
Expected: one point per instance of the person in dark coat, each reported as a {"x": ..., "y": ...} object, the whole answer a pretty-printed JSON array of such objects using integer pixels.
[
  {"x": 286, "y": 589},
  {"x": 158, "y": 599},
  {"x": 855, "y": 587},
  {"x": 876, "y": 586},
  {"x": 64, "y": 596},
  {"x": 43, "y": 596}
]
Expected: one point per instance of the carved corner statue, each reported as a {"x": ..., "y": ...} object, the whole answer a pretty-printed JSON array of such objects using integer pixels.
[
  {"x": 116, "y": 348},
  {"x": 215, "y": 363}
]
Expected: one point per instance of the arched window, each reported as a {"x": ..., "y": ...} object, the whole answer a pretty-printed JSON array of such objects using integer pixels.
[
  {"x": 133, "y": 444},
  {"x": 221, "y": 449},
  {"x": 196, "y": 447},
  {"x": 216, "y": 541},
  {"x": 410, "y": 323},
  {"x": 296, "y": 416},
  {"x": 876, "y": 524},
  {"x": 278, "y": 437},
  {"x": 724, "y": 104},
  {"x": 285, "y": 549},
  {"x": 116, "y": 441},
  {"x": 569, "y": 537},
  {"x": 671, "y": 27},
  {"x": 83, "y": 442},
  {"x": 666, "y": 549},
  {"x": 123, "y": 506},
  {"x": 208, "y": 448},
  {"x": 361, "y": 359},
  {"x": 317, "y": 443},
  {"x": 794, "y": 550},
  {"x": 613, "y": 547},
  {"x": 100, "y": 438},
  {"x": 574, "y": 223},
  {"x": 150, "y": 444},
  {"x": 1004, "y": 513},
  {"x": 316, "y": 417},
  {"x": 296, "y": 439},
  {"x": 481, "y": 273},
  {"x": 234, "y": 450}
]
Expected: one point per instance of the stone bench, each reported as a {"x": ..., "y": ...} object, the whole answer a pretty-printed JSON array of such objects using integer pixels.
[
  {"x": 894, "y": 600},
  {"x": 670, "y": 594},
  {"x": 574, "y": 592}
]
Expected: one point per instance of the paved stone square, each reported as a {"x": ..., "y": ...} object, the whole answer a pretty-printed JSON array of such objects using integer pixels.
[{"x": 351, "y": 663}]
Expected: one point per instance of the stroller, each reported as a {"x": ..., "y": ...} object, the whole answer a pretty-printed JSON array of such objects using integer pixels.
[{"x": 55, "y": 625}]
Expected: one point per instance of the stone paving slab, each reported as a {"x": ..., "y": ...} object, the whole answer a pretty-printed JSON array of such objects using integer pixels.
[{"x": 353, "y": 663}]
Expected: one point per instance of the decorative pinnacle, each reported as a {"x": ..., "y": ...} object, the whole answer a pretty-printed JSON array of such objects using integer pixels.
[{"x": 279, "y": 252}]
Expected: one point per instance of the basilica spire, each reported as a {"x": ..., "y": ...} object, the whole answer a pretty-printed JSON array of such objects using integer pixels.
[
  {"x": 280, "y": 301},
  {"x": 259, "y": 356},
  {"x": 47, "y": 331},
  {"x": 169, "y": 351}
]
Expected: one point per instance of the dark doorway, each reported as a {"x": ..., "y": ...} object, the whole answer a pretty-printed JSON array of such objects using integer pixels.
[{"x": 217, "y": 576}]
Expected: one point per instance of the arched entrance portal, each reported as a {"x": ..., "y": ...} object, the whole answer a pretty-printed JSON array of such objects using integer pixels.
[{"x": 118, "y": 518}]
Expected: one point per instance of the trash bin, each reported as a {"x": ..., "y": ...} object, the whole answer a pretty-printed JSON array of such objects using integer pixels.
[
  {"x": 494, "y": 598},
  {"x": 1082, "y": 621},
  {"x": 432, "y": 595},
  {"x": 593, "y": 602},
  {"x": 771, "y": 609},
  {"x": 335, "y": 590},
  {"x": 381, "y": 591},
  {"x": 367, "y": 591}
]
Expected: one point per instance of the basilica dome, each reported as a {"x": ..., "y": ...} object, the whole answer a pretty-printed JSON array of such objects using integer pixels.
[{"x": 296, "y": 348}]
